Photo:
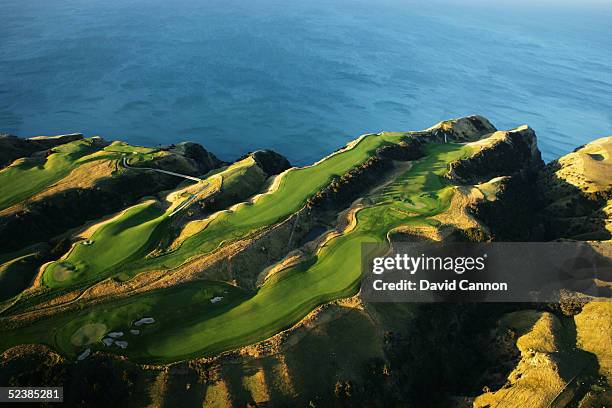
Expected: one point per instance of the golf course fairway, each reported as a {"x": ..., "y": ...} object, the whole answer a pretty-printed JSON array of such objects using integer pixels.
[
  {"x": 294, "y": 188},
  {"x": 120, "y": 246},
  {"x": 136, "y": 231},
  {"x": 26, "y": 177},
  {"x": 188, "y": 324}
]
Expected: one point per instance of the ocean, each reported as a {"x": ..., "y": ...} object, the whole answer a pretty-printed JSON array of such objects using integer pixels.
[{"x": 302, "y": 78}]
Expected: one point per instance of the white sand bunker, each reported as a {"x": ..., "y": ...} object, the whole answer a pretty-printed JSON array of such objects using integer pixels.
[
  {"x": 121, "y": 344},
  {"x": 107, "y": 341},
  {"x": 135, "y": 332},
  {"x": 115, "y": 335},
  {"x": 144, "y": 320},
  {"x": 216, "y": 299},
  {"x": 84, "y": 355},
  {"x": 88, "y": 334},
  {"x": 62, "y": 271},
  {"x": 87, "y": 242}
]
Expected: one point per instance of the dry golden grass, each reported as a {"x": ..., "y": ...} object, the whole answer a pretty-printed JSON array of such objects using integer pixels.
[
  {"x": 84, "y": 176},
  {"x": 594, "y": 332},
  {"x": 535, "y": 382},
  {"x": 589, "y": 168},
  {"x": 255, "y": 384},
  {"x": 457, "y": 214},
  {"x": 463, "y": 128},
  {"x": 217, "y": 396}
]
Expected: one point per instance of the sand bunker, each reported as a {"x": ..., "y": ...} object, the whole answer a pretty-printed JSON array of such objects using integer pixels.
[
  {"x": 107, "y": 341},
  {"x": 84, "y": 355},
  {"x": 216, "y": 299},
  {"x": 115, "y": 335},
  {"x": 144, "y": 320},
  {"x": 121, "y": 344},
  {"x": 135, "y": 332},
  {"x": 88, "y": 334}
]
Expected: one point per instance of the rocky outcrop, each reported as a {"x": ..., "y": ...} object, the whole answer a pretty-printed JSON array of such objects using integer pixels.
[
  {"x": 504, "y": 153},
  {"x": 92, "y": 191},
  {"x": 13, "y": 147},
  {"x": 510, "y": 212},
  {"x": 503, "y": 167},
  {"x": 271, "y": 162},
  {"x": 467, "y": 129},
  {"x": 575, "y": 193},
  {"x": 409, "y": 149},
  {"x": 568, "y": 198},
  {"x": 496, "y": 185},
  {"x": 200, "y": 158}
]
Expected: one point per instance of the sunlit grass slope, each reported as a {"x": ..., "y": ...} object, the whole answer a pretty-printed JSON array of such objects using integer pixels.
[
  {"x": 188, "y": 324},
  {"x": 130, "y": 236},
  {"x": 26, "y": 177},
  {"x": 294, "y": 188}
]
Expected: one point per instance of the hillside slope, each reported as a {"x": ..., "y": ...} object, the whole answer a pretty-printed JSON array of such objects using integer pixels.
[{"x": 232, "y": 286}]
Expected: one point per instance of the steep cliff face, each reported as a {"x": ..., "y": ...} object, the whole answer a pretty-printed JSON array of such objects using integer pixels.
[
  {"x": 568, "y": 198},
  {"x": 496, "y": 184},
  {"x": 199, "y": 158},
  {"x": 575, "y": 192},
  {"x": 504, "y": 153},
  {"x": 271, "y": 162},
  {"x": 564, "y": 357}
]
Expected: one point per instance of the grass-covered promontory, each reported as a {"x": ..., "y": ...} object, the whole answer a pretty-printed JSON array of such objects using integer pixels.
[
  {"x": 242, "y": 318},
  {"x": 25, "y": 177}
]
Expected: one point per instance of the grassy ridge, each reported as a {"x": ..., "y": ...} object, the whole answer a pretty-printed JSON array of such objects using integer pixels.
[
  {"x": 138, "y": 230},
  {"x": 26, "y": 177},
  {"x": 294, "y": 189},
  {"x": 189, "y": 325},
  {"x": 17, "y": 274}
]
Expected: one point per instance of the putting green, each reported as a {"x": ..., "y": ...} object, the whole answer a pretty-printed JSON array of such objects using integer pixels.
[
  {"x": 88, "y": 334},
  {"x": 189, "y": 325},
  {"x": 112, "y": 244}
]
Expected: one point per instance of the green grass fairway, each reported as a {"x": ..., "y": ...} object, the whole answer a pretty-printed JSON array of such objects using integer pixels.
[
  {"x": 113, "y": 244},
  {"x": 138, "y": 230},
  {"x": 29, "y": 176},
  {"x": 294, "y": 189},
  {"x": 26, "y": 177},
  {"x": 120, "y": 246},
  {"x": 122, "y": 147},
  {"x": 188, "y": 325}
]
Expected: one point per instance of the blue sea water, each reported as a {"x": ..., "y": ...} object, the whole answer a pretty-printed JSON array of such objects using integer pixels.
[{"x": 302, "y": 78}]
